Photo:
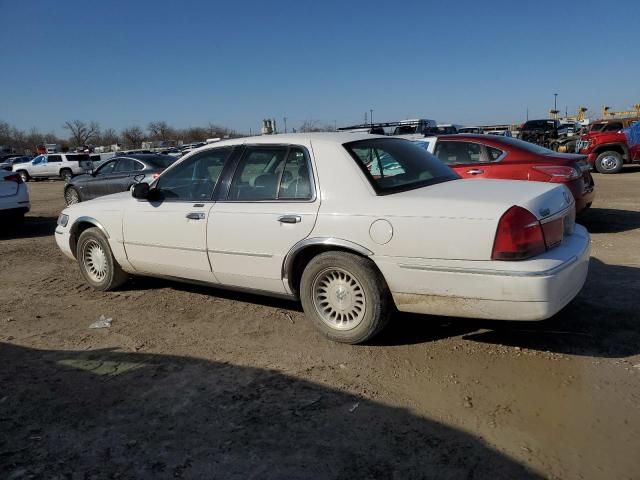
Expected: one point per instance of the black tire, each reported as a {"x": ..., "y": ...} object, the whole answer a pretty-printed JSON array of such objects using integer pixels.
[
  {"x": 609, "y": 162},
  {"x": 66, "y": 174},
  {"x": 24, "y": 175},
  {"x": 111, "y": 275},
  {"x": 71, "y": 196},
  {"x": 367, "y": 297}
]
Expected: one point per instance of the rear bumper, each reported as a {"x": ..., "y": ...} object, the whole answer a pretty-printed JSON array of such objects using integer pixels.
[
  {"x": 533, "y": 289},
  {"x": 14, "y": 212}
]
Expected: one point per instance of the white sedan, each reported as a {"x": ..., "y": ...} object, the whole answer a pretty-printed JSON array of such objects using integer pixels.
[
  {"x": 352, "y": 225},
  {"x": 14, "y": 197}
]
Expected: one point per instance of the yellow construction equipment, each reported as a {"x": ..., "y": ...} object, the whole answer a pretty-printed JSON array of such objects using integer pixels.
[{"x": 606, "y": 112}]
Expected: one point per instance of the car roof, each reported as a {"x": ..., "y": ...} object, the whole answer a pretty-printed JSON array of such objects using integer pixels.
[{"x": 332, "y": 137}]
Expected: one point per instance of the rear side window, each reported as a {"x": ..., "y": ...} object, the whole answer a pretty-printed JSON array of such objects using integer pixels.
[
  {"x": 271, "y": 173},
  {"x": 394, "y": 165},
  {"x": 128, "y": 165},
  {"x": 54, "y": 158},
  {"x": 459, "y": 152}
]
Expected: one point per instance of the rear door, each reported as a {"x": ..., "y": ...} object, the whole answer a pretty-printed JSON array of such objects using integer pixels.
[
  {"x": 469, "y": 159},
  {"x": 270, "y": 205},
  {"x": 122, "y": 176},
  {"x": 54, "y": 162}
]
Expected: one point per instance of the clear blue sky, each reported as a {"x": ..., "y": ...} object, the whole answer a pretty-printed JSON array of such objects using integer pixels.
[{"x": 235, "y": 62}]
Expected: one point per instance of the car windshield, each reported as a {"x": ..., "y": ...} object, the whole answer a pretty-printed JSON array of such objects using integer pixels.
[
  {"x": 394, "y": 165},
  {"x": 160, "y": 161}
]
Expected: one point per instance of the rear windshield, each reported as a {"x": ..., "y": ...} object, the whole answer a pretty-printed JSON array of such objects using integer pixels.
[
  {"x": 395, "y": 165},
  {"x": 528, "y": 146},
  {"x": 539, "y": 125},
  {"x": 161, "y": 161}
]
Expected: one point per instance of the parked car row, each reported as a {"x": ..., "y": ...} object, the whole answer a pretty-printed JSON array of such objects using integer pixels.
[{"x": 352, "y": 225}]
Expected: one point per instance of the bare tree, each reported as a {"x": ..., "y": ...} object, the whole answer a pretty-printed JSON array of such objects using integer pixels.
[
  {"x": 132, "y": 136},
  {"x": 109, "y": 137},
  {"x": 314, "y": 126},
  {"x": 80, "y": 132},
  {"x": 160, "y": 131}
]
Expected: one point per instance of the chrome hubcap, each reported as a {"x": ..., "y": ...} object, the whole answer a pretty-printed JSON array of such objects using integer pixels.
[
  {"x": 339, "y": 298},
  {"x": 72, "y": 197},
  {"x": 95, "y": 261},
  {"x": 609, "y": 163}
]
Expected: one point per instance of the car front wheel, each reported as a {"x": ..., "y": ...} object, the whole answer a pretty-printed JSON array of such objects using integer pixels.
[
  {"x": 609, "y": 162},
  {"x": 345, "y": 296},
  {"x": 71, "y": 196},
  {"x": 96, "y": 261}
]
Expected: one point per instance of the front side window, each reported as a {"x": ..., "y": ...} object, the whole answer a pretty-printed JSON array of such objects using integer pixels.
[
  {"x": 394, "y": 165},
  {"x": 39, "y": 159},
  {"x": 107, "y": 168},
  {"x": 613, "y": 127},
  {"x": 271, "y": 173},
  {"x": 195, "y": 178}
]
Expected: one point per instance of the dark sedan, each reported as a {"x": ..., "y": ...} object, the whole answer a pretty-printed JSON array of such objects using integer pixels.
[{"x": 116, "y": 175}]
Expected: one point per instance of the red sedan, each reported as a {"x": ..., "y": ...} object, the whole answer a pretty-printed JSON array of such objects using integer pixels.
[{"x": 489, "y": 156}]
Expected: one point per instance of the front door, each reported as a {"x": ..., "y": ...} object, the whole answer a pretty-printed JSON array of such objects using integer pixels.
[
  {"x": 271, "y": 204},
  {"x": 96, "y": 185},
  {"x": 38, "y": 166},
  {"x": 167, "y": 235}
]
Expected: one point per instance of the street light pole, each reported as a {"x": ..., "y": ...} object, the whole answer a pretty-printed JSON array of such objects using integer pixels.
[
  {"x": 555, "y": 101},
  {"x": 285, "y": 124},
  {"x": 371, "y": 116}
]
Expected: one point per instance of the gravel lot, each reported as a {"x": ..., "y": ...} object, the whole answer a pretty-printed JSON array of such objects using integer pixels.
[{"x": 191, "y": 382}]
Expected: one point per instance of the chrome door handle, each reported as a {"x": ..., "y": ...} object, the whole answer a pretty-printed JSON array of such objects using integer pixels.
[
  {"x": 475, "y": 171},
  {"x": 290, "y": 219},
  {"x": 195, "y": 215}
]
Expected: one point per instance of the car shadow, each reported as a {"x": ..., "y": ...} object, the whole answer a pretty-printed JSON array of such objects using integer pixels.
[
  {"x": 111, "y": 414},
  {"x": 594, "y": 324},
  {"x": 32, "y": 227},
  {"x": 603, "y": 321},
  {"x": 609, "y": 220}
]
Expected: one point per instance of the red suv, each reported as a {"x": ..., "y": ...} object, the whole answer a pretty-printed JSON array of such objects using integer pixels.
[
  {"x": 606, "y": 146},
  {"x": 489, "y": 156}
]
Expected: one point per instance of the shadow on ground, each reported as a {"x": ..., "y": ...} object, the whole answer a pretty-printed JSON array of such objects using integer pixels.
[
  {"x": 32, "y": 227},
  {"x": 108, "y": 414},
  {"x": 603, "y": 321},
  {"x": 609, "y": 220}
]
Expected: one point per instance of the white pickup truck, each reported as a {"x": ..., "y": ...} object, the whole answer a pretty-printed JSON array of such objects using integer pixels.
[{"x": 60, "y": 165}]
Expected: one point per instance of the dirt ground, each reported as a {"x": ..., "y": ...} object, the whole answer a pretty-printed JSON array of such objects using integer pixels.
[{"x": 191, "y": 382}]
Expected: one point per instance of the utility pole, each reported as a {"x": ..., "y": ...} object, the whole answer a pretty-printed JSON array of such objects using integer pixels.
[
  {"x": 285, "y": 124},
  {"x": 371, "y": 116}
]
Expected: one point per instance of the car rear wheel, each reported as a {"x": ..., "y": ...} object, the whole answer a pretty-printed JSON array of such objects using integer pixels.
[
  {"x": 71, "y": 196},
  {"x": 66, "y": 174},
  {"x": 609, "y": 162},
  {"x": 345, "y": 297},
  {"x": 96, "y": 261},
  {"x": 24, "y": 175}
]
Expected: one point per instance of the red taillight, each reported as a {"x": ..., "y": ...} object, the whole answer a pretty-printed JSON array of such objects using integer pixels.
[
  {"x": 13, "y": 178},
  {"x": 558, "y": 173},
  {"x": 519, "y": 236}
]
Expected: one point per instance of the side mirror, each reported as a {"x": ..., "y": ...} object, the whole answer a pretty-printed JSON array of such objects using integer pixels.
[{"x": 140, "y": 191}]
